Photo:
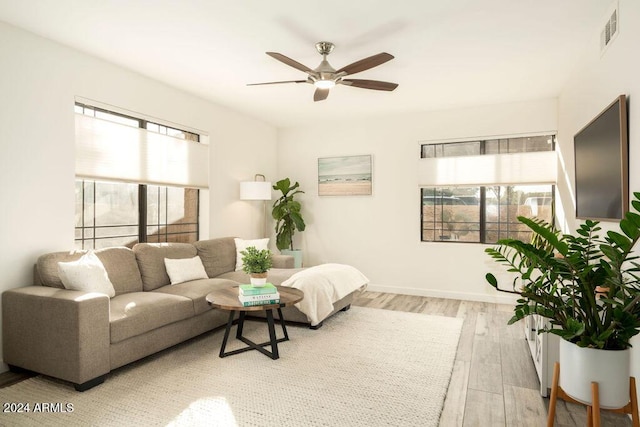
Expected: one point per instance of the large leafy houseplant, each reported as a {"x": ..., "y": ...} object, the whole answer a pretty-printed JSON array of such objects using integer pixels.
[
  {"x": 587, "y": 286},
  {"x": 286, "y": 212}
]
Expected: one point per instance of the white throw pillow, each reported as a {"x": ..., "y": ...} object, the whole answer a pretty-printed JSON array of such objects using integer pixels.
[
  {"x": 185, "y": 269},
  {"x": 86, "y": 274},
  {"x": 241, "y": 245}
]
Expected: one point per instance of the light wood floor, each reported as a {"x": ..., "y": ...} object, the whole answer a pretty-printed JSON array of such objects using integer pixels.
[{"x": 493, "y": 382}]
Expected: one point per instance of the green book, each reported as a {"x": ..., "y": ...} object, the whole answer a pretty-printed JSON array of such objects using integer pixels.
[{"x": 261, "y": 290}]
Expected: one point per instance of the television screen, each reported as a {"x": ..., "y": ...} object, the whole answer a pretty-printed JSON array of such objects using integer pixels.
[{"x": 601, "y": 165}]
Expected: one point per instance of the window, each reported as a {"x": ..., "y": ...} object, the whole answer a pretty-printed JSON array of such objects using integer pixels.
[
  {"x": 451, "y": 214},
  {"x": 495, "y": 146},
  {"x": 172, "y": 214},
  {"x": 487, "y": 213},
  {"x": 110, "y": 213}
]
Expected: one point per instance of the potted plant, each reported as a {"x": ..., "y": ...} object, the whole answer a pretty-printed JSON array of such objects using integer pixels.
[
  {"x": 256, "y": 263},
  {"x": 286, "y": 212},
  {"x": 589, "y": 290}
]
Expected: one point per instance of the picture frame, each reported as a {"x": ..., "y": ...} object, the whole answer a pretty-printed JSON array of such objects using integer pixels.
[{"x": 345, "y": 176}]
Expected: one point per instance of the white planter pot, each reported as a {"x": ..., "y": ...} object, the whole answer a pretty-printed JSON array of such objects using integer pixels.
[
  {"x": 258, "y": 280},
  {"x": 580, "y": 366},
  {"x": 296, "y": 254}
]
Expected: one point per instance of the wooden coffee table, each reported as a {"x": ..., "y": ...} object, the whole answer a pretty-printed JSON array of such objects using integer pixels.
[{"x": 227, "y": 299}]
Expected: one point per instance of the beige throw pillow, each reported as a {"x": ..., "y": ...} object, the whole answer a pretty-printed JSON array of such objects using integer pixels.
[
  {"x": 242, "y": 244},
  {"x": 185, "y": 269},
  {"x": 86, "y": 274}
]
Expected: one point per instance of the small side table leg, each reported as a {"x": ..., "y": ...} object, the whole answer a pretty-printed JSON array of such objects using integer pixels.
[
  {"x": 226, "y": 332},
  {"x": 240, "y": 324},
  {"x": 272, "y": 335},
  {"x": 284, "y": 328}
]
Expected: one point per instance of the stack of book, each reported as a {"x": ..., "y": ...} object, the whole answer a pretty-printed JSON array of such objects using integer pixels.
[{"x": 251, "y": 295}]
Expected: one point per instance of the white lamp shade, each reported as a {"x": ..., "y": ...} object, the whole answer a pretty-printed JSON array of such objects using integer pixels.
[{"x": 255, "y": 190}]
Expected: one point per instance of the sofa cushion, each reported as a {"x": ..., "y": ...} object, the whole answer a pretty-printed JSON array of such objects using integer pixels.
[
  {"x": 218, "y": 255},
  {"x": 196, "y": 291},
  {"x": 135, "y": 313},
  {"x": 185, "y": 269},
  {"x": 86, "y": 274},
  {"x": 120, "y": 263},
  {"x": 241, "y": 245},
  {"x": 150, "y": 257}
]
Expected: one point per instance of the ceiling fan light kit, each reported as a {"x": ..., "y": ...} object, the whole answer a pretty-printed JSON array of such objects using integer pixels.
[
  {"x": 324, "y": 76},
  {"x": 324, "y": 84}
]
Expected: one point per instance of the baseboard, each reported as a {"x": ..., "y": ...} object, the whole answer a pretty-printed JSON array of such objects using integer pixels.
[{"x": 436, "y": 293}]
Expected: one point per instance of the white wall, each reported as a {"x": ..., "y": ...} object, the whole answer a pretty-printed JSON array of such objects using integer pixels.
[
  {"x": 39, "y": 80},
  {"x": 380, "y": 234},
  {"x": 597, "y": 81}
]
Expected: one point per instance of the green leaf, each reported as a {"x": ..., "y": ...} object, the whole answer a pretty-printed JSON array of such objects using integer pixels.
[
  {"x": 633, "y": 217},
  {"x": 622, "y": 241},
  {"x": 629, "y": 228},
  {"x": 492, "y": 280},
  {"x": 583, "y": 232},
  {"x": 298, "y": 221},
  {"x": 283, "y": 185},
  {"x": 547, "y": 232},
  {"x": 574, "y": 328}
]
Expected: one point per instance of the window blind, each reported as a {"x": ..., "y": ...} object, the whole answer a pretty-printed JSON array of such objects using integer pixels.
[
  {"x": 112, "y": 151},
  {"x": 492, "y": 169}
]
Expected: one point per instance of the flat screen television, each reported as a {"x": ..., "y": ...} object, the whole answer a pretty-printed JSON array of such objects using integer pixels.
[{"x": 601, "y": 151}]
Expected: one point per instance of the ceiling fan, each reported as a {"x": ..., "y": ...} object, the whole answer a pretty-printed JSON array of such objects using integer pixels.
[{"x": 324, "y": 77}]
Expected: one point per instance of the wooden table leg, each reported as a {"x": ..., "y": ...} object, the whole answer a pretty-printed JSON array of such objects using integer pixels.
[
  {"x": 595, "y": 399},
  {"x": 554, "y": 395},
  {"x": 633, "y": 394},
  {"x": 593, "y": 410}
]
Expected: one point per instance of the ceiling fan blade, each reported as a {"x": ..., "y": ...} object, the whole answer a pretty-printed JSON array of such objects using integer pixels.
[
  {"x": 365, "y": 64},
  {"x": 369, "y": 84},
  {"x": 277, "y": 83},
  {"x": 320, "y": 94},
  {"x": 290, "y": 62}
]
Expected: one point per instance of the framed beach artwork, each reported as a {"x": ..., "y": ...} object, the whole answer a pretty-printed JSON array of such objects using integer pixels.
[{"x": 344, "y": 176}]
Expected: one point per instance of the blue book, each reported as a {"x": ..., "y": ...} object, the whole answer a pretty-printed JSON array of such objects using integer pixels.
[{"x": 260, "y": 302}]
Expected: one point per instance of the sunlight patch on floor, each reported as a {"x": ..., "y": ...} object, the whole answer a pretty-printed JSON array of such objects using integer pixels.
[{"x": 210, "y": 411}]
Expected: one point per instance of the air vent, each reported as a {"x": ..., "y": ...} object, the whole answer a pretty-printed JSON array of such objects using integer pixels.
[{"x": 610, "y": 30}]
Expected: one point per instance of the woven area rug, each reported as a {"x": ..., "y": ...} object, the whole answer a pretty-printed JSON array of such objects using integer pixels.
[{"x": 364, "y": 367}]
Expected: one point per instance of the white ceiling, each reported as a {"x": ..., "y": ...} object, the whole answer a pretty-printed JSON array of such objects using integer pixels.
[{"x": 448, "y": 53}]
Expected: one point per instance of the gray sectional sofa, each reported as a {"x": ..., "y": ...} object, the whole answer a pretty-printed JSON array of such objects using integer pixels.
[{"x": 80, "y": 336}]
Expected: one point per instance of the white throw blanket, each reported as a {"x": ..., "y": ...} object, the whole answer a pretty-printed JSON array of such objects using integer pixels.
[{"x": 322, "y": 286}]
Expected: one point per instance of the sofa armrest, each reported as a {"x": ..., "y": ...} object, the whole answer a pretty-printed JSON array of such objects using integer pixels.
[
  {"x": 282, "y": 261},
  {"x": 56, "y": 332}
]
